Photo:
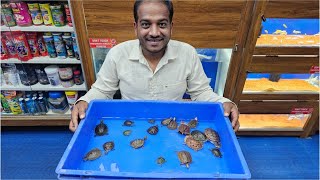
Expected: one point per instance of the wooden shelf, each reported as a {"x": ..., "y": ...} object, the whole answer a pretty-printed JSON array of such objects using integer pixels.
[
  {"x": 286, "y": 50},
  {"x": 43, "y": 60},
  {"x": 41, "y": 28},
  {"x": 40, "y": 87},
  {"x": 50, "y": 119}
]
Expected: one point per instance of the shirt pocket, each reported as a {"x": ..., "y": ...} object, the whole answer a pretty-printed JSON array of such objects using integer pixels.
[{"x": 173, "y": 90}]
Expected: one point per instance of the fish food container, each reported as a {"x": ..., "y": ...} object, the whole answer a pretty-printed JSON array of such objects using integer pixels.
[{"x": 126, "y": 162}]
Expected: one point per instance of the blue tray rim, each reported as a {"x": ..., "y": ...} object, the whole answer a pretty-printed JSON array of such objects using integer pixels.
[{"x": 61, "y": 172}]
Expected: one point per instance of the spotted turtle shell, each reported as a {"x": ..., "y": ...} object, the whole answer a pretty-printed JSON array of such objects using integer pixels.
[{"x": 193, "y": 144}]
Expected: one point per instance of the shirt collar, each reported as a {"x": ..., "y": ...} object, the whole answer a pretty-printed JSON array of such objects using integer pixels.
[{"x": 170, "y": 54}]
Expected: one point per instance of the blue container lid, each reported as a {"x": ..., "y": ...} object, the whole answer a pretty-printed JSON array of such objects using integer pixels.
[{"x": 55, "y": 95}]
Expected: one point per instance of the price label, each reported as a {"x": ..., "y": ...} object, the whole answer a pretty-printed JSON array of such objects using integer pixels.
[
  {"x": 301, "y": 110},
  {"x": 314, "y": 69},
  {"x": 102, "y": 42}
]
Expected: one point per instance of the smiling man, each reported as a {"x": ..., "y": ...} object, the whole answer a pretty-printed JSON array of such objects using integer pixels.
[{"x": 152, "y": 67}]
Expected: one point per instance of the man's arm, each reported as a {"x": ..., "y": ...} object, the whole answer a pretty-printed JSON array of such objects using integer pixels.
[
  {"x": 198, "y": 83},
  {"x": 107, "y": 82},
  {"x": 200, "y": 90}
]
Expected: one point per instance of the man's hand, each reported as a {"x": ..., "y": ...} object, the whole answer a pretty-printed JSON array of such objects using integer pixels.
[
  {"x": 231, "y": 109},
  {"x": 78, "y": 111}
]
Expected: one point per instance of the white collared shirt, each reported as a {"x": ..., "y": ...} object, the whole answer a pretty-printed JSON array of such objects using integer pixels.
[{"x": 179, "y": 71}]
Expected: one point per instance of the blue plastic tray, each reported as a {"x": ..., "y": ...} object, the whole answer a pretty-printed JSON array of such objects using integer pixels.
[{"x": 126, "y": 162}]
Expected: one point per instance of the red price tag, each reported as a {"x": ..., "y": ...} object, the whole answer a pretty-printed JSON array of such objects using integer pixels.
[
  {"x": 314, "y": 69},
  {"x": 301, "y": 110},
  {"x": 102, "y": 42}
]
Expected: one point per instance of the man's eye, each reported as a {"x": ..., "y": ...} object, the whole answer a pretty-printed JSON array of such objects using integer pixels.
[
  {"x": 145, "y": 25},
  {"x": 163, "y": 25}
]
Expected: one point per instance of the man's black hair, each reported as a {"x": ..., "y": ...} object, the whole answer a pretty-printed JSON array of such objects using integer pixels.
[{"x": 168, "y": 4}]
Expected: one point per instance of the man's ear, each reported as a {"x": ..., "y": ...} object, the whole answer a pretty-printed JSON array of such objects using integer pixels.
[
  {"x": 171, "y": 27},
  {"x": 135, "y": 26}
]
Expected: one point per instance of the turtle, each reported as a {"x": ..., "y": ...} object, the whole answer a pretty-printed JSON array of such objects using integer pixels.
[
  {"x": 153, "y": 130},
  {"x": 161, "y": 160},
  {"x": 193, "y": 123},
  {"x": 216, "y": 152},
  {"x": 128, "y": 123},
  {"x": 92, "y": 155},
  {"x": 166, "y": 121},
  {"x": 151, "y": 121},
  {"x": 183, "y": 128},
  {"x": 198, "y": 135},
  {"x": 172, "y": 124},
  {"x": 138, "y": 143},
  {"x": 184, "y": 158},
  {"x": 108, "y": 146},
  {"x": 213, "y": 137},
  {"x": 193, "y": 144},
  {"x": 101, "y": 129},
  {"x": 127, "y": 132}
]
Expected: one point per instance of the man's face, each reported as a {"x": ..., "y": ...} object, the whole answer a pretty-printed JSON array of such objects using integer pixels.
[{"x": 153, "y": 27}]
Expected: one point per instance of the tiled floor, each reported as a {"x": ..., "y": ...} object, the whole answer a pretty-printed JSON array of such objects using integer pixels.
[{"x": 34, "y": 153}]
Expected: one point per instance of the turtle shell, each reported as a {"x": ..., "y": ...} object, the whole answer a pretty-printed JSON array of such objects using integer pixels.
[
  {"x": 198, "y": 135},
  {"x": 92, "y": 155},
  {"x": 184, "y": 158},
  {"x": 160, "y": 160},
  {"x": 101, "y": 129},
  {"x": 128, "y": 123},
  {"x": 172, "y": 124},
  {"x": 213, "y": 137},
  {"x": 127, "y": 132},
  {"x": 166, "y": 121},
  {"x": 108, "y": 146},
  {"x": 153, "y": 130},
  {"x": 183, "y": 128},
  {"x": 151, "y": 121},
  {"x": 137, "y": 143},
  {"x": 216, "y": 152},
  {"x": 193, "y": 123},
  {"x": 193, "y": 144}
]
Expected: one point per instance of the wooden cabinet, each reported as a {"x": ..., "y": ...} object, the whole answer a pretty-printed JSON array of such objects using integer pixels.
[
  {"x": 277, "y": 57},
  {"x": 230, "y": 24}
]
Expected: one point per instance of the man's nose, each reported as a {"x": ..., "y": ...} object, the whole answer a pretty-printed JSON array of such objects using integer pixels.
[{"x": 154, "y": 30}]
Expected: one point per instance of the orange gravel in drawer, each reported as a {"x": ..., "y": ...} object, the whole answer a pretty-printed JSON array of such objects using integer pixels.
[
  {"x": 270, "y": 39},
  {"x": 265, "y": 84}
]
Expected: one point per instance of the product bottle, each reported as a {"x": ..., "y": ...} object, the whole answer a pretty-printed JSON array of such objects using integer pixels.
[
  {"x": 23, "y": 106},
  {"x": 42, "y": 105}
]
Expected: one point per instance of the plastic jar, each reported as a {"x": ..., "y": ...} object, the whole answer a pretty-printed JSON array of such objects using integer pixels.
[
  {"x": 65, "y": 73},
  {"x": 77, "y": 77},
  {"x": 67, "y": 83},
  {"x": 41, "y": 75},
  {"x": 72, "y": 97},
  {"x": 57, "y": 102},
  {"x": 52, "y": 74}
]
